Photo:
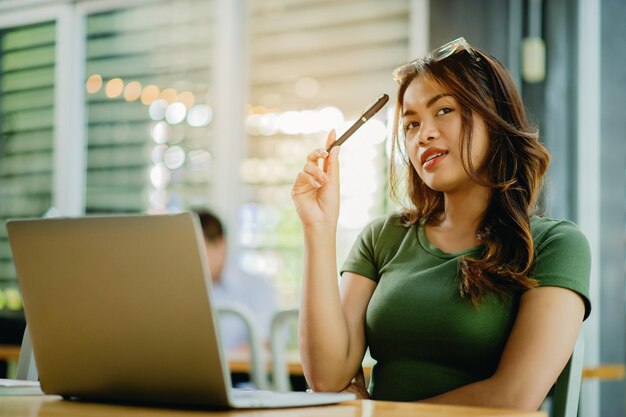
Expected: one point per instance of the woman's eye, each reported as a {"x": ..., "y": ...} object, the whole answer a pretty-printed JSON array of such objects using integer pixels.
[
  {"x": 411, "y": 125},
  {"x": 444, "y": 110}
]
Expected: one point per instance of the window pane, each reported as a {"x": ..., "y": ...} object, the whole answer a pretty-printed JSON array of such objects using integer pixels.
[
  {"x": 149, "y": 111},
  {"x": 26, "y": 141},
  {"x": 315, "y": 65}
]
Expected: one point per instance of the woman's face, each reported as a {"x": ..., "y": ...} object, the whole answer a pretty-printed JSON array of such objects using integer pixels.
[{"x": 432, "y": 128}]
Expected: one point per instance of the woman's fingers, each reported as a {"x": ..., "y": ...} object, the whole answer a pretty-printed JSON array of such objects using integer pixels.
[
  {"x": 316, "y": 155},
  {"x": 312, "y": 174},
  {"x": 304, "y": 179},
  {"x": 321, "y": 153},
  {"x": 331, "y": 162},
  {"x": 316, "y": 172}
]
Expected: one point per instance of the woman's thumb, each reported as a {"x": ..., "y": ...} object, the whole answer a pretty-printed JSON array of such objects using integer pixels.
[
  {"x": 331, "y": 138},
  {"x": 331, "y": 163}
]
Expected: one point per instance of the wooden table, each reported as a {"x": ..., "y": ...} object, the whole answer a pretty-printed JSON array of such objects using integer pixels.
[
  {"x": 52, "y": 406},
  {"x": 240, "y": 362}
]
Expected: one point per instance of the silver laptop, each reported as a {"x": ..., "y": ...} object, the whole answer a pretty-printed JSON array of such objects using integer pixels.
[{"x": 119, "y": 309}]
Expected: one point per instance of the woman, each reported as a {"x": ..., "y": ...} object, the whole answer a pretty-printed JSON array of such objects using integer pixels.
[{"x": 464, "y": 297}]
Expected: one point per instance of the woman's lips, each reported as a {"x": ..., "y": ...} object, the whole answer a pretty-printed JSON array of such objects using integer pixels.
[{"x": 432, "y": 163}]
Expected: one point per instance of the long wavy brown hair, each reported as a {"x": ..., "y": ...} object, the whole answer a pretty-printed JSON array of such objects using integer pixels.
[{"x": 514, "y": 169}]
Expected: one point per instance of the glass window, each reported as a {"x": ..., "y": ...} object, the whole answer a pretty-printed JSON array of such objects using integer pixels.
[
  {"x": 149, "y": 111},
  {"x": 27, "y": 71},
  {"x": 314, "y": 66}
]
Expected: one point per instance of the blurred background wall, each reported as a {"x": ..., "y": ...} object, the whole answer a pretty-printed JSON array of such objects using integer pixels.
[{"x": 165, "y": 105}]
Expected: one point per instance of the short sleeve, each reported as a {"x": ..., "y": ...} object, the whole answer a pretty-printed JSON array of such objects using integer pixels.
[
  {"x": 563, "y": 259},
  {"x": 362, "y": 257}
]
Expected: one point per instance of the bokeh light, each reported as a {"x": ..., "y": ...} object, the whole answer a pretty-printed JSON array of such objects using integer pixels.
[
  {"x": 199, "y": 115},
  {"x": 175, "y": 113},
  {"x": 161, "y": 132},
  {"x": 330, "y": 118},
  {"x": 169, "y": 94},
  {"x": 160, "y": 176},
  {"x": 174, "y": 157},
  {"x": 114, "y": 87},
  {"x": 199, "y": 159},
  {"x": 132, "y": 91},
  {"x": 94, "y": 83},
  {"x": 149, "y": 94},
  {"x": 157, "y": 153},
  {"x": 157, "y": 109},
  {"x": 187, "y": 98}
]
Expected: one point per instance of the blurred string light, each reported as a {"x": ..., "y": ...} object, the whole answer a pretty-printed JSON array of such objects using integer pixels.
[
  {"x": 187, "y": 98},
  {"x": 114, "y": 87},
  {"x": 169, "y": 109},
  {"x": 293, "y": 122},
  {"x": 94, "y": 83},
  {"x": 149, "y": 94},
  {"x": 165, "y": 103},
  {"x": 175, "y": 113},
  {"x": 174, "y": 157},
  {"x": 158, "y": 152},
  {"x": 199, "y": 115},
  {"x": 157, "y": 109},
  {"x": 132, "y": 91},
  {"x": 160, "y": 176},
  {"x": 199, "y": 159},
  {"x": 161, "y": 132},
  {"x": 169, "y": 95}
]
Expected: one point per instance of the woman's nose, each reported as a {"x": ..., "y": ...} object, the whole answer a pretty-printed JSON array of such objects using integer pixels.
[{"x": 427, "y": 132}]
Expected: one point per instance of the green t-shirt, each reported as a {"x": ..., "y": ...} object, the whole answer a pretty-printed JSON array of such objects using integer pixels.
[{"x": 425, "y": 338}]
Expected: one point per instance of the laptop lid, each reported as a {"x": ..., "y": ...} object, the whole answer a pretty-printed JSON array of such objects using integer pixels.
[{"x": 118, "y": 308}]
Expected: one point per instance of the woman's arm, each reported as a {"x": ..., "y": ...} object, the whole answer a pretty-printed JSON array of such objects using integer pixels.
[
  {"x": 332, "y": 331},
  {"x": 540, "y": 344},
  {"x": 332, "y": 341}
]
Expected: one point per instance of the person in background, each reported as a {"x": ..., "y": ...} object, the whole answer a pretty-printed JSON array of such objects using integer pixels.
[
  {"x": 233, "y": 285},
  {"x": 465, "y": 296}
]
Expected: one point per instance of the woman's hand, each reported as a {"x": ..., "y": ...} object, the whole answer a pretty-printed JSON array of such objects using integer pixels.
[
  {"x": 357, "y": 386},
  {"x": 315, "y": 192}
]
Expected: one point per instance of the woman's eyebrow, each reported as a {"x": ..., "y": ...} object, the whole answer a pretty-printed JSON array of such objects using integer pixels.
[
  {"x": 437, "y": 97},
  {"x": 429, "y": 103}
]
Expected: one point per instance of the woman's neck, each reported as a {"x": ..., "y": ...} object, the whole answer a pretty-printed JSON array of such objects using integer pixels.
[
  {"x": 464, "y": 210},
  {"x": 455, "y": 229}
]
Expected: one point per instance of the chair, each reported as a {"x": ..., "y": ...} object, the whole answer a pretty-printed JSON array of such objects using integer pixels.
[
  {"x": 241, "y": 312},
  {"x": 278, "y": 340},
  {"x": 567, "y": 388}
]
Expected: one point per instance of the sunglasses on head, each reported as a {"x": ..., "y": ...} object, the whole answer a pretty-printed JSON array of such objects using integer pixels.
[{"x": 436, "y": 55}]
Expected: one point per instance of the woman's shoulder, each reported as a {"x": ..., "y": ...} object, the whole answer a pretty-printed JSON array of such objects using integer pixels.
[
  {"x": 543, "y": 227},
  {"x": 386, "y": 231},
  {"x": 546, "y": 228},
  {"x": 562, "y": 257},
  {"x": 391, "y": 223},
  {"x": 378, "y": 242}
]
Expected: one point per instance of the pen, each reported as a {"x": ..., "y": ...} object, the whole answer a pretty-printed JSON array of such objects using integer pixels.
[{"x": 372, "y": 110}]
